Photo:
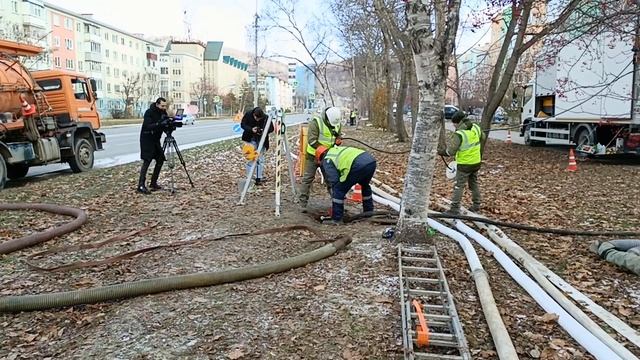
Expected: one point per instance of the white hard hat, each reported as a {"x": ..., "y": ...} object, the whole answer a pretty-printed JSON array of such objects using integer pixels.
[
  {"x": 334, "y": 116},
  {"x": 451, "y": 170}
]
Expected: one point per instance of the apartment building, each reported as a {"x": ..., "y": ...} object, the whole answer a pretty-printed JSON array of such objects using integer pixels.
[
  {"x": 226, "y": 72},
  {"x": 27, "y": 21},
  {"x": 182, "y": 70}
]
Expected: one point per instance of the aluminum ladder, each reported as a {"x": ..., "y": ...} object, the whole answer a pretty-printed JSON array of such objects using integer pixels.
[{"x": 423, "y": 283}]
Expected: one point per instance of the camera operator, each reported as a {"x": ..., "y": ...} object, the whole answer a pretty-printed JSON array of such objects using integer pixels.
[
  {"x": 253, "y": 123},
  {"x": 155, "y": 120}
]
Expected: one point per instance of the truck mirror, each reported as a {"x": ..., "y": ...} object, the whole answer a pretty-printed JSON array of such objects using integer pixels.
[{"x": 94, "y": 87}]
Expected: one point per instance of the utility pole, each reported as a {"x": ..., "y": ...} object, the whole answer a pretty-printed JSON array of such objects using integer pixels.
[{"x": 255, "y": 91}]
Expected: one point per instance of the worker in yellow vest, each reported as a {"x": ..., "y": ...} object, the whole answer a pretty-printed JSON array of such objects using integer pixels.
[
  {"x": 323, "y": 130},
  {"x": 343, "y": 167},
  {"x": 465, "y": 143}
]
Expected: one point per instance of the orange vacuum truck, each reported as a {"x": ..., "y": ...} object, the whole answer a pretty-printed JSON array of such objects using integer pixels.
[{"x": 46, "y": 116}]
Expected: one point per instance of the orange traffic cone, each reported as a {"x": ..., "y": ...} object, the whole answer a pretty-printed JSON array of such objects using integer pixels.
[
  {"x": 573, "y": 166},
  {"x": 508, "y": 136},
  {"x": 356, "y": 195}
]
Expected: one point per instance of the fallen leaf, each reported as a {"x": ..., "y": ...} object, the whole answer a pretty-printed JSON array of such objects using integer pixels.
[
  {"x": 319, "y": 287},
  {"x": 235, "y": 354},
  {"x": 349, "y": 354},
  {"x": 535, "y": 353},
  {"x": 383, "y": 299},
  {"x": 549, "y": 317},
  {"x": 624, "y": 311}
]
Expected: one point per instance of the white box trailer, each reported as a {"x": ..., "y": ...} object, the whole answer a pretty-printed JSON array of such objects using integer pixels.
[{"x": 581, "y": 95}]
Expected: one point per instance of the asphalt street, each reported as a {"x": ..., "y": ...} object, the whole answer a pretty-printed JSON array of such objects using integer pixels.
[{"x": 123, "y": 145}]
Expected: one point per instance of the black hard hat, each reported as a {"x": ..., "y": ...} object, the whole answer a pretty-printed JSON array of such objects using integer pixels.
[{"x": 458, "y": 116}]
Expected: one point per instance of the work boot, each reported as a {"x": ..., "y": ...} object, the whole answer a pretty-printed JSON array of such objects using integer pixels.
[
  {"x": 143, "y": 190},
  {"x": 154, "y": 177},
  {"x": 474, "y": 208},
  {"x": 332, "y": 222},
  {"x": 259, "y": 182},
  {"x": 452, "y": 211},
  {"x": 155, "y": 187}
]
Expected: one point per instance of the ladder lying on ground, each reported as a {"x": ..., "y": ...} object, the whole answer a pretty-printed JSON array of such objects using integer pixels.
[{"x": 430, "y": 324}]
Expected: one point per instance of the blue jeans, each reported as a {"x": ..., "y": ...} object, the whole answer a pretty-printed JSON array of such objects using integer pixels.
[
  {"x": 358, "y": 175},
  {"x": 259, "y": 165}
]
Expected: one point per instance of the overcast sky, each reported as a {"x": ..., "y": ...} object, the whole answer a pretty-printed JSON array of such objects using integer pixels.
[{"x": 212, "y": 20}]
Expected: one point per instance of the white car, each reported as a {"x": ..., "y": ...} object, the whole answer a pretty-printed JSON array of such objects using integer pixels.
[{"x": 189, "y": 120}]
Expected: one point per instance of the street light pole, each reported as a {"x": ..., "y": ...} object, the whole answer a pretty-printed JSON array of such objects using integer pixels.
[{"x": 255, "y": 92}]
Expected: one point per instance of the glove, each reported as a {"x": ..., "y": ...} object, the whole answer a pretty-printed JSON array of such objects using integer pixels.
[{"x": 338, "y": 141}]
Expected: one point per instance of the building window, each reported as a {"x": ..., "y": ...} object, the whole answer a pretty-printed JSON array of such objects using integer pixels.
[
  {"x": 177, "y": 83},
  {"x": 106, "y": 36},
  {"x": 69, "y": 64},
  {"x": 164, "y": 94},
  {"x": 80, "y": 66},
  {"x": 36, "y": 11},
  {"x": 124, "y": 58},
  {"x": 68, "y": 23},
  {"x": 14, "y": 5},
  {"x": 164, "y": 71},
  {"x": 56, "y": 61},
  {"x": 114, "y": 38},
  {"x": 99, "y": 85},
  {"x": 121, "y": 41},
  {"x": 116, "y": 88},
  {"x": 68, "y": 44},
  {"x": 106, "y": 53},
  {"x": 177, "y": 72},
  {"x": 96, "y": 47},
  {"x": 115, "y": 55},
  {"x": 56, "y": 41},
  {"x": 86, "y": 29},
  {"x": 79, "y": 26},
  {"x": 56, "y": 20},
  {"x": 137, "y": 46},
  {"x": 130, "y": 43},
  {"x": 176, "y": 60},
  {"x": 177, "y": 95},
  {"x": 124, "y": 73},
  {"x": 116, "y": 72},
  {"x": 108, "y": 87},
  {"x": 108, "y": 71}
]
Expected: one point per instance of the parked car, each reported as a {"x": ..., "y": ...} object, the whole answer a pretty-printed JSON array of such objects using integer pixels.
[
  {"x": 449, "y": 110},
  {"x": 189, "y": 120}
]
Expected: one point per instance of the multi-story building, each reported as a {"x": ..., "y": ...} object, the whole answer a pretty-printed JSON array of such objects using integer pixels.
[
  {"x": 184, "y": 66},
  {"x": 306, "y": 89},
  {"x": 124, "y": 65},
  {"x": 27, "y": 21}
]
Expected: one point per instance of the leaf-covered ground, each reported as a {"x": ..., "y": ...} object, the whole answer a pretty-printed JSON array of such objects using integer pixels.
[{"x": 344, "y": 307}]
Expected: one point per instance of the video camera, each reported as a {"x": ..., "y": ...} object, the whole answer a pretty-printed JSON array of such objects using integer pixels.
[{"x": 172, "y": 123}]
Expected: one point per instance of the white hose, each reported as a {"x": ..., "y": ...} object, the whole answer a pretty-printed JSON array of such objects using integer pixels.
[
  {"x": 499, "y": 332},
  {"x": 552, "y": 282},
  {"x": 585, "y": 338}
]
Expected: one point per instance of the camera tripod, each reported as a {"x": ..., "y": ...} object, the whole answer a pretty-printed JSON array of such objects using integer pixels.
[{"x": 171, "y": 150}]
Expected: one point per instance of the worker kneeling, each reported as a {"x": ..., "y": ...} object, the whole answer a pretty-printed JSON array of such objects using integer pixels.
[{"x": 342, "y": 168}]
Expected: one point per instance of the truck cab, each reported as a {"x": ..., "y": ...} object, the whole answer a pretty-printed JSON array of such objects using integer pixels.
[{"x": 45, "y": 116}]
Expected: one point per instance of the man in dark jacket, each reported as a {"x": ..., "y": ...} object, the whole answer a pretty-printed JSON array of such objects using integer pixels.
[
  {"x": 253, "y": 123},
  {"x": 155, "y": 119},
  {"x": 343, "y": 167}
]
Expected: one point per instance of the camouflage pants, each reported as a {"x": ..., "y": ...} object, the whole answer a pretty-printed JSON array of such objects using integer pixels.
[
  {"x": 309, "y": 175},
  {"x": 462, "y": 178}
]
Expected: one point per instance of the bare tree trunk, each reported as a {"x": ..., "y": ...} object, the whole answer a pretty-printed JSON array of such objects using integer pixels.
[
  {"x": 387, "y": 71},
  {"x": 415, "y": 98},
  {"x": 401, "y": 130},
  {"x": 431, "y": 52}
]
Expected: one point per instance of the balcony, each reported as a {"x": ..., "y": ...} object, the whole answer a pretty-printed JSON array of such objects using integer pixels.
[
  {"x": 92, "y": 56},
  {"x": 30, "y": 20}
]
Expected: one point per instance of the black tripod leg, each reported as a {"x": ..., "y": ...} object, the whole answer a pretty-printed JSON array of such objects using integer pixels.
[{"x": 184, "y": 164}]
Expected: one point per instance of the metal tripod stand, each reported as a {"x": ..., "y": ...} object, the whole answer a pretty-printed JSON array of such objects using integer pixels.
[{"x": 171, "y": 150}]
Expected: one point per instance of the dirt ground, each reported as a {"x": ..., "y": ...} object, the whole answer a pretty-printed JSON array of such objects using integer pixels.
[{"x": 343, "y": 307}]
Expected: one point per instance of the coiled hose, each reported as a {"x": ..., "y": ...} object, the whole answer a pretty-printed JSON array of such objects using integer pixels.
[{"x": 37, "y": 238}]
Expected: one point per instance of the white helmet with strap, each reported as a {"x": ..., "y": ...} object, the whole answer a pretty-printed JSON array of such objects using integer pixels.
[{"x": 334, "y": 116}]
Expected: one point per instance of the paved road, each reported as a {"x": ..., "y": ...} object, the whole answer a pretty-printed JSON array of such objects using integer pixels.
[{"x": 123, "y": 144}]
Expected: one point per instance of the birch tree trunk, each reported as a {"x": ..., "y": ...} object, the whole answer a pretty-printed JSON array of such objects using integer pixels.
[
  {"x": 431, "y": 52},
  {"x": 400, "y": 129},
  {"x": 413, "y": 86}
]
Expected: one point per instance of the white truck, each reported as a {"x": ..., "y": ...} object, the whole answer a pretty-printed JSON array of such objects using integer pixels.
[{"x": 582, "y": 95}]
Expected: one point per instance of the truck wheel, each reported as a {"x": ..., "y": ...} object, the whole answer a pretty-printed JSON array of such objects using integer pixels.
[
  {"x": 17, "y": 171},
  {"x": 3, "y": 173},
  {"x": 527, "y": 138},
  {"x": 584, "y": 137},
  {"x": 82, "y": 159}
]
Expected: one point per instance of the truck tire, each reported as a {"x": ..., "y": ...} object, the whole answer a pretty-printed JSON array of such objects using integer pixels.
[
  {"x": 17, "y": 171},
  {"x": 584, "y": 137},
  {"x": 83, "y": 156},
  {"x": 3, "y": 172},
  {"x": 527, "y": 138}
]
